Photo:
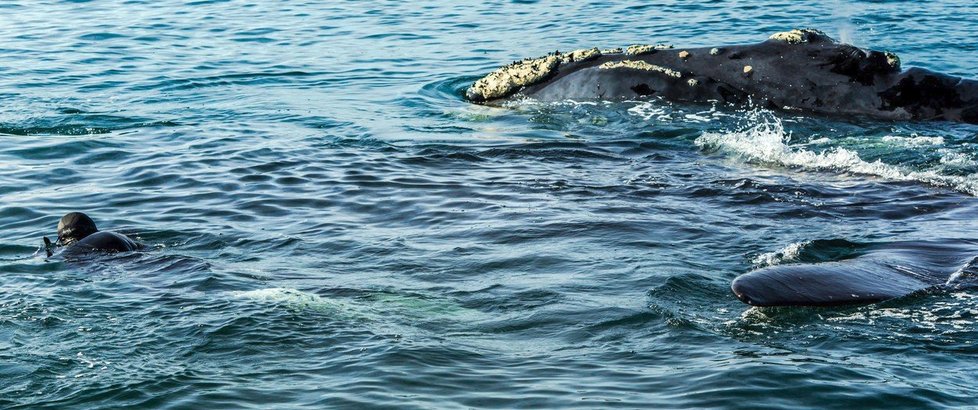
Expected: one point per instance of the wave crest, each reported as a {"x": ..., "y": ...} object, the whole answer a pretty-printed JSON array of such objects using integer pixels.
[{"x": 765, "y": 141}]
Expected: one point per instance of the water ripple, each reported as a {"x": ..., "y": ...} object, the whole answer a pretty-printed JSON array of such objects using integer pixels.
[{"x": 328, "y": 223}]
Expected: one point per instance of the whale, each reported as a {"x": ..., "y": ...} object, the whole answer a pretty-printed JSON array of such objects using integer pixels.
[
  {"x": 802, "y": 71},
  {"x": 875, "y": 273},
  {"x": 78, "y": 235}
]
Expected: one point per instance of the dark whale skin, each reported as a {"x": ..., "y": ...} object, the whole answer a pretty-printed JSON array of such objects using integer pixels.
[
  {"x": 884, "y": 272},
  {"x": 819, "y": 76},
  {"x": 101, "y": 241}
]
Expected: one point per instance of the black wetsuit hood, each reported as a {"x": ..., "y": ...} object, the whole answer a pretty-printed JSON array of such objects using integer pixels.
[{"x": 74, "y": 227}]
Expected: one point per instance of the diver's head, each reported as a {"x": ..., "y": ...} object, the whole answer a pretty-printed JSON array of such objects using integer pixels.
[{"x": 75, "y": 227}]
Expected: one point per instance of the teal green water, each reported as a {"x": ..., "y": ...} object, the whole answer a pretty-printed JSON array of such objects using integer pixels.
[{"x": 329, "y": 224}]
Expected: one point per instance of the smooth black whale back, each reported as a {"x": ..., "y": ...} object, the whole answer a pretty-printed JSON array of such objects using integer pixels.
[{"x": 884, "y": 272}]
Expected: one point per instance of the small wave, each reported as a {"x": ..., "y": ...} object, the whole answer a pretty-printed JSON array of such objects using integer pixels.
[
  {"x": 766, "y": 142},
  {"x": 955, "y": 159},
  {"x": 76, "y": 122},
  {"x": 450, "y": 89},
  {"x": 100, "y": 36},
  {"x": 786, "y": 254},
  {"x": 167, "y": 84},
  {"x": 966, "y": 277}
]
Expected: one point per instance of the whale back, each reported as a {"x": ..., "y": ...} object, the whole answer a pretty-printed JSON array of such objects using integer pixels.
[
  {"x": 800, "y": 70},
  {"x": 884, "y": 272}
]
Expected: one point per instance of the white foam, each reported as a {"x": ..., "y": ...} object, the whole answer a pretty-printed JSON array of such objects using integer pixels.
[
  {"x": 914, "y": 140},
  {"x": 648, "y": 112},
  {"x": 788, "y": 253},
  {"x": 698, "y": 118},
  {"x": 293, "y": 298},
  {"x": 957, "y": 159},
  {"x": 767, "y": 142}
]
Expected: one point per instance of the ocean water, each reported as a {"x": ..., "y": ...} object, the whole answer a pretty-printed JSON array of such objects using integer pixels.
[{"x": 329, "y": 224}]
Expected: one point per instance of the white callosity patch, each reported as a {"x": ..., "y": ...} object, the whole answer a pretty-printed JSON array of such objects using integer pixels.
[
  {"x": 585, "y": 54},
  {"x": 508, "y": 80},
  {"x": 640, "y": 65},
  {"x": 639, "y": 49},
  {"x": 511, "y": 78},
  {"x": 797, "y": 36},
  {"x": 892, "y": 60}
]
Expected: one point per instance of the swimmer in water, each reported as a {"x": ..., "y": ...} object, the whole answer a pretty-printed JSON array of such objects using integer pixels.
[{"x": 77, "y": 234}]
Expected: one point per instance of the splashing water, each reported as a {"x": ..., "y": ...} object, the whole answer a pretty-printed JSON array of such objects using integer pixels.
[
  {"x": 764, "y": 141},
  {"x": 786, "y": 254}
]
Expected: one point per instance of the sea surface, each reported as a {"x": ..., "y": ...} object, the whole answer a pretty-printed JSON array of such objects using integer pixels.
[{"x": 328, "y": 224}]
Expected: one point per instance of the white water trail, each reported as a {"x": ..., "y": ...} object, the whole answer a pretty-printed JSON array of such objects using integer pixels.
[
  {"x": 297, "y": 299},
  {"x": 765, "y": 141}
]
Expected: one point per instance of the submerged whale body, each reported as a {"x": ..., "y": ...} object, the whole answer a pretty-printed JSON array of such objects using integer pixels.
[
  {"x": 799, "y": 70},
  {"x": 880, "y": 273}
]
